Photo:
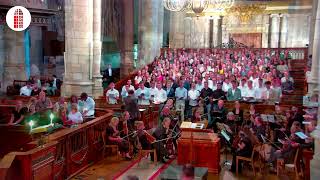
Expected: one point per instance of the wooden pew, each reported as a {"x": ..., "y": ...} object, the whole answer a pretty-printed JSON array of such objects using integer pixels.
[{"x": 71, "y": 150}]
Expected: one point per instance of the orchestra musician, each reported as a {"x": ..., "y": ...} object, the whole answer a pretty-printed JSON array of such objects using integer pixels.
[
  {"x": 238, "y": 112},
  {"x": 258, "y": 128},
  {"x": 161, "y": 134},
  {"x": 142, "y": 136},
  {"x": 218, "y": 114},
  {"x": 205, "y": 94},
  {"x": 244, "y": 149},
  {"x": 113, "y": 137}
]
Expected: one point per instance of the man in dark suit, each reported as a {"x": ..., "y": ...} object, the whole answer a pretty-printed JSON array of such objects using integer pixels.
[
  {"x": 108, "y": 73},
  {"x": 131, "y": 105}
]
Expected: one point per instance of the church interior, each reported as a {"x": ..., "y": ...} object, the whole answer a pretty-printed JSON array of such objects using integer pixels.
[{"x": 160, "y": 89}]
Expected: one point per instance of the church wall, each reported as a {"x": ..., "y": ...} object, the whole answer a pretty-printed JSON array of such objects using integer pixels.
[
  {"x": 298, "y": 30},
  {"x": 193, "y": 32}
]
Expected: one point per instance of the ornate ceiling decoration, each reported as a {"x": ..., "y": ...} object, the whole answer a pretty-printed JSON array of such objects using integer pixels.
[{"x": 246, "y": 12}]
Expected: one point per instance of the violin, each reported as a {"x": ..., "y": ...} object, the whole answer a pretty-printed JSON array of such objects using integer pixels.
[{"x": 169, "y": 143}]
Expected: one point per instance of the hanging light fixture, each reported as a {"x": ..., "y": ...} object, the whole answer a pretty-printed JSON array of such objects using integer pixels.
[
  {"x": 198, "y": 6},
  {"x": 176, "y": 5},
  {"x": 222, "y": 4}
]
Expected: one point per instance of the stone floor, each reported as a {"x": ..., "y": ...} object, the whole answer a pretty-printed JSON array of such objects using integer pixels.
[{"x": 109, "y": 168}]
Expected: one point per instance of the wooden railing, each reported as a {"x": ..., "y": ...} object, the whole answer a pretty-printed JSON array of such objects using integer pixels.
[{"x": 66, "y": 153}]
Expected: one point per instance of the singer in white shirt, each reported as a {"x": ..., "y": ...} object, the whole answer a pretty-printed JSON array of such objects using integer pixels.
[
  {"x": 112, "y": 95},
  {"x": 160, "y": 94},
  {"x": 142, "y": 94}
]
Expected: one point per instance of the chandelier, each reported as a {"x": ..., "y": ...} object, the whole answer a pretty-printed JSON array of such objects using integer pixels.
[
  {"x": 198, "y": 6},
  {"x": 222, "y": 4},
  {"x": 176, "y": 5}
]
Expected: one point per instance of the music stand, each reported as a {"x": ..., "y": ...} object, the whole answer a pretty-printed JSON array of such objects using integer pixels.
[{"x": 227, "y": 138}]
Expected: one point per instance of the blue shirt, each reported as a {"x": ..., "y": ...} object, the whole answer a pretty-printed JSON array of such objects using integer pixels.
[{"x": 181, "y": 93}]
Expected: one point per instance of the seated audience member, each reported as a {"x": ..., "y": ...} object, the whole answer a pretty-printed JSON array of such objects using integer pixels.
[
  {"x": 26, "y": 90},
  {"x": 113, "y": 137},
  {"x": 131, "y": 105},
  {"x": 73, "y": 100},
  {"x": 234, "y": 93},
  {"x": 269, "y": 94},
  {"x": 32, "y": 101},
  {"x": 75, "y": 116},
  {"x": 32, "y": 115},
  {"x": 43, "y": 102},
  {"x": 64, "y": 117},
  {"x": 18, "y": 114},
  {"x": 112, "y": 95},
  {"x": 88, "y": 105},
  {"x": 219, "y": 93},
  {"x": 238, "y": 112},
  {"x": 59, "y": 104},
  {"x": 187, "y": 172},
  {"x": 143, "y": 95}
]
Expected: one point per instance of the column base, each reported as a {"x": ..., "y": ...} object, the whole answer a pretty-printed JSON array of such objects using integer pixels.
[
  {"x": 76, "y": 88},
  {"x": 313, "y": 86},
  {"x": 315, "y": 162},
  {"x": 126, "y": 65},
  {"x": 97, "y": 89}
]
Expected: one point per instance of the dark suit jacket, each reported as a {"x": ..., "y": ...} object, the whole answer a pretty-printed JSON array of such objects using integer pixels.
[{"x": 131, "y": 105}]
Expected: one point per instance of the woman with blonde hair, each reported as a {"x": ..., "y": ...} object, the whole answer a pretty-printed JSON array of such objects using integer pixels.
[
  {"x": 113, "y": 137},
  {"x": 74, "y": 115}
]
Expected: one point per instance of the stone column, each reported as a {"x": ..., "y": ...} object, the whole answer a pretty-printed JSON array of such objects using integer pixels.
[
  {"x": 126, "y": 49},
  {"x": 315, "y": 163},
  {"x": 219, "y": 41},
  {"x": 79, "y": 47},
  {"x": 265, "y": 32},
  {"x": 13, "y": 56},
  {"x": 275, "y": 24},
  {"x": 177, "y": 30},
  {"x": 151, "y": 14},
  {"x": 284, "y": 30},
  {"x": 216, "y": 29},
  {"x": 97, "y": 45},
  {"x": 313, "y": 80}
]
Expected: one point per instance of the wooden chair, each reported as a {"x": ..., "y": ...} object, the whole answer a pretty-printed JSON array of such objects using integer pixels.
[
  {"x": 282, "y": 166},
  {"x": 106, "y": 146},
  {"x": 142, "y": 152},
  {"x": 256, "y": 149}
]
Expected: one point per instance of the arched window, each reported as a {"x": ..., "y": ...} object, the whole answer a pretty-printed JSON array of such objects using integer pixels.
[{"x": 18, "y": 18}]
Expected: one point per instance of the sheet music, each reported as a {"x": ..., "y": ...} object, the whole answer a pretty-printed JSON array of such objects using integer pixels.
[
  {"x": 186, "y": 124},
  {"x": 225, "y": 135},
  {"x": 301, "y": 135}
]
